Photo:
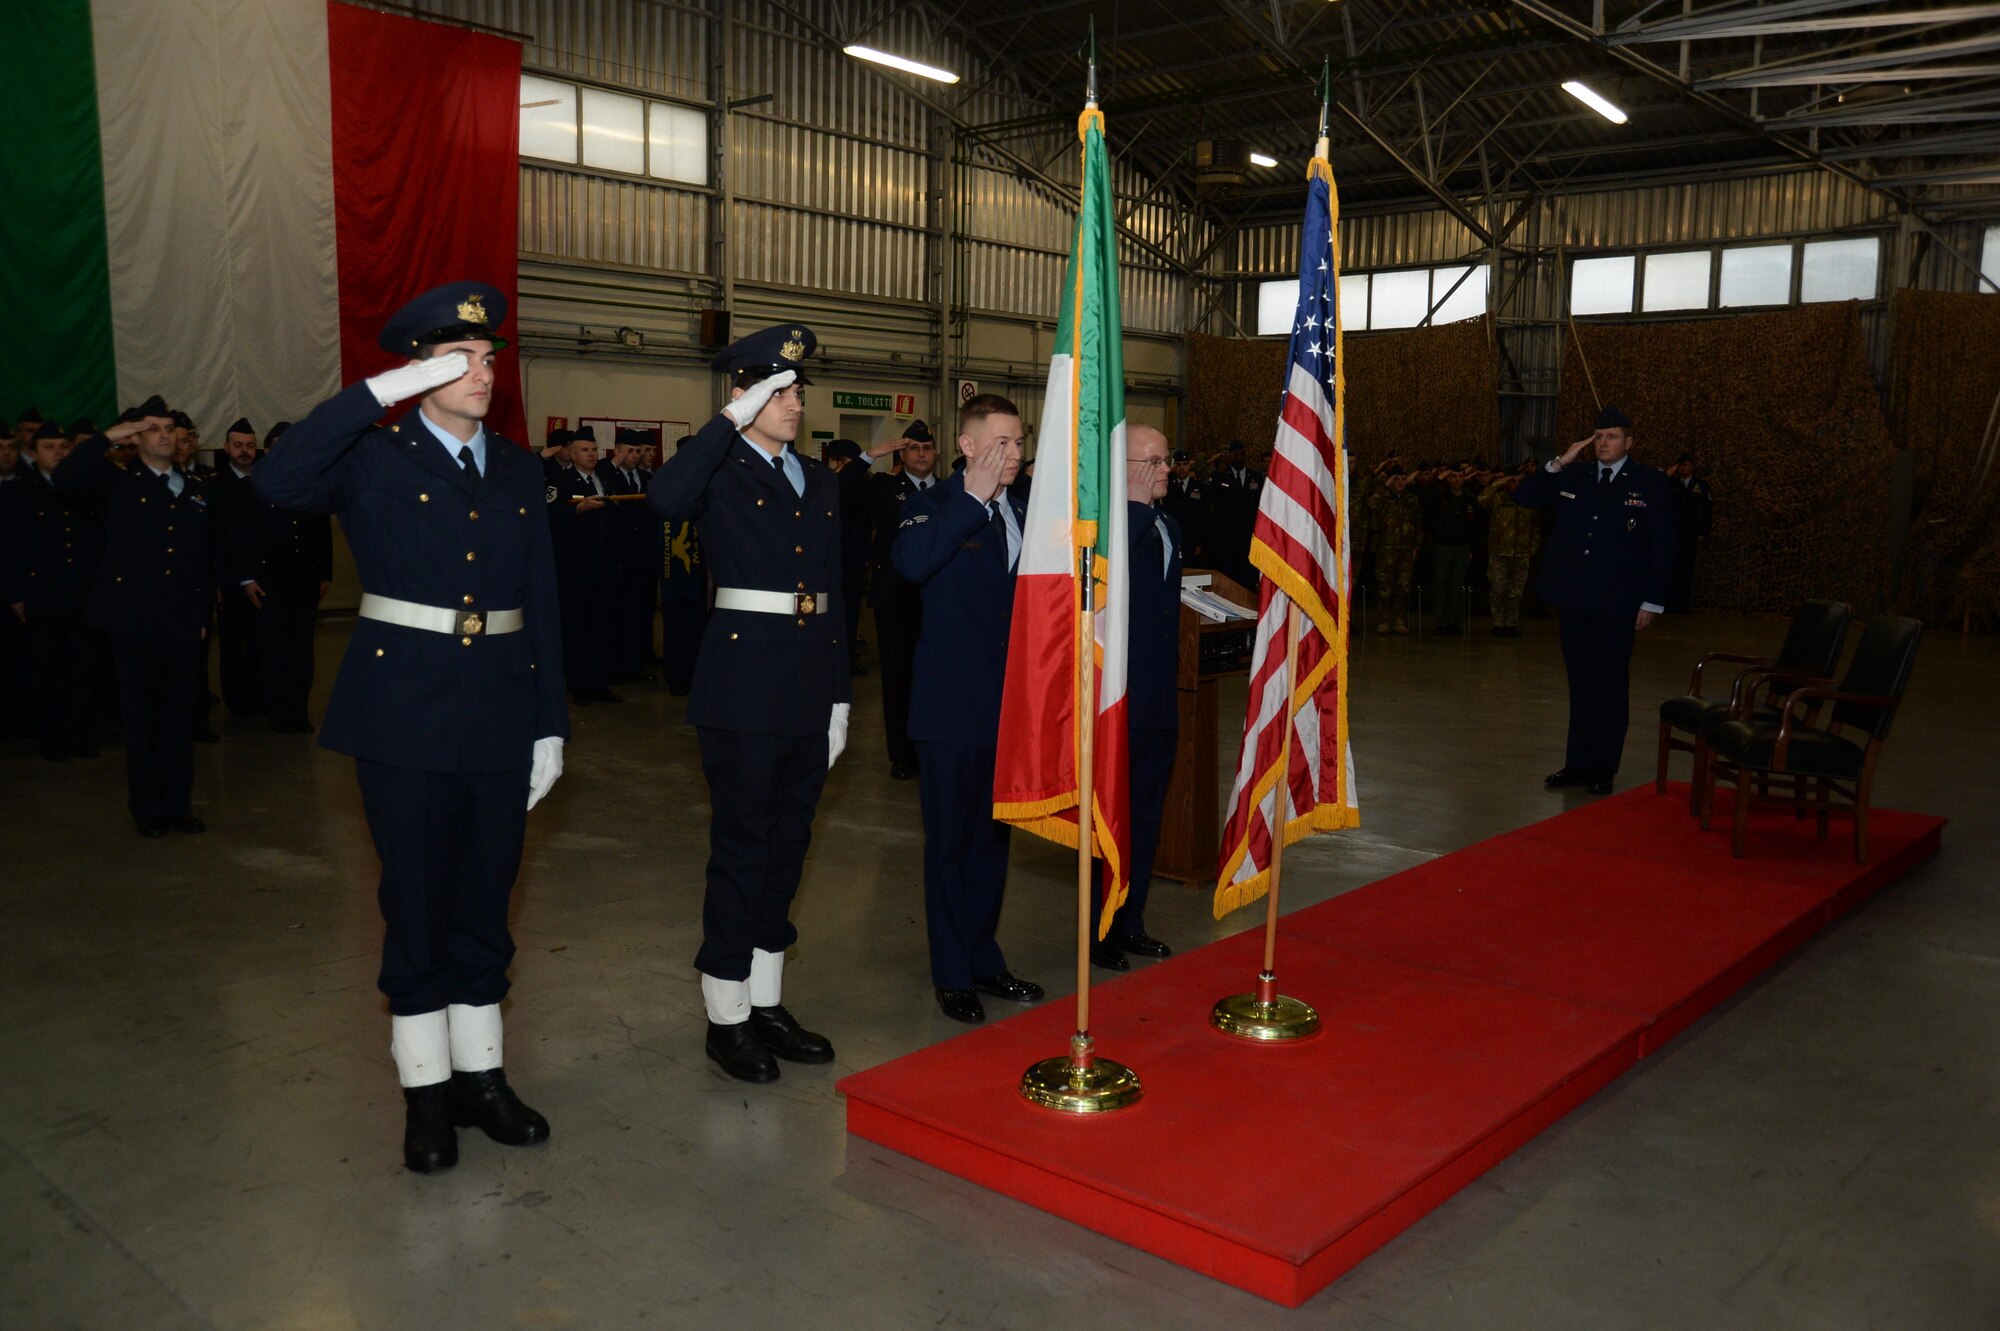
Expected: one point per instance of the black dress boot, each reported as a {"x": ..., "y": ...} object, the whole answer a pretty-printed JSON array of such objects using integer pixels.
[
  {"x": 485, "y": 1101},
  {"x": 779, "y": 1031},
  {"x": 738, "y": 1051},
  {"x": 429, "y": 1144}
]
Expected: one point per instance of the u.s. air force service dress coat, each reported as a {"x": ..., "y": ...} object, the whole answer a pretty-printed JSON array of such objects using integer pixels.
[{"x": 423, "y": 531}]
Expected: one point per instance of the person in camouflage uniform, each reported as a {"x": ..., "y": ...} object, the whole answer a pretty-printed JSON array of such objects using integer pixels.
[
  {"x": 1513, "y": 534},
  {"x": 1396, "y": 530}
]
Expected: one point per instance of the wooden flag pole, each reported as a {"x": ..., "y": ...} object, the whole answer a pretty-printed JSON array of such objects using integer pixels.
[
  {"x": 1081, "y": 1082},
  {"x": 1265, "y": 1014}
]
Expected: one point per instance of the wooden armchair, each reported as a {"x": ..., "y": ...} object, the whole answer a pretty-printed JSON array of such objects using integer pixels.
[
  {"x": 1802, "y": 760},
  {"x": 1811, "y": 648}
]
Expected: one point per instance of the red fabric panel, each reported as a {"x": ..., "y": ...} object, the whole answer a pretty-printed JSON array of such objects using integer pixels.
[{"x": 426, "y": 178}]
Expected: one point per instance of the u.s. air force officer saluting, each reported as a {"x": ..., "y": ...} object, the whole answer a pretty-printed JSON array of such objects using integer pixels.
[
  {"x": 1608, "y": 571},
  {"x": 450, "y": 698},
  {"x": 770, "y": 694},
  {"x": 960, "y": 541}
]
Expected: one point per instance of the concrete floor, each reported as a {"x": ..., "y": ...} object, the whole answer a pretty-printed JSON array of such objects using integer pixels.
[{"x": 199, "y": 1121}]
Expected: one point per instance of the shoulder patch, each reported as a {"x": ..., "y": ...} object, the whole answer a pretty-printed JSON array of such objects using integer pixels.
[{"x": 551, "y": 495}]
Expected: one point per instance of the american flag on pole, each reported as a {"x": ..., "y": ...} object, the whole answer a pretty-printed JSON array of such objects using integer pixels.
[{"x": 1300, "y": 545}]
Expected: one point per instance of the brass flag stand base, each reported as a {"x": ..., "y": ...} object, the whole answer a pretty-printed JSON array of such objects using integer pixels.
[
  {"x": 1265, "y": 1014},
  {"x": 1082, "y": 1083}
]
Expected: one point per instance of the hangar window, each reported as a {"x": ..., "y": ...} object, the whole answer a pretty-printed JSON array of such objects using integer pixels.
[
  {"x": 1839, "y": 269},
  {"x": 1677, "y": 281},
  {"x": 548, "y": 119},
  {"x": 612, "y": 131},
  {"x": 1398, "y": 299},
  {"x": 1757, "y": 275},
  {"x": 1989, "y": 260},
  {"x": 1602, "y": 286}
]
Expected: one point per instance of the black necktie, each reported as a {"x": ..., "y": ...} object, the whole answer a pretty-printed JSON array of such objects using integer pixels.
[
  {"x": 999, "y": 526},
  {"x": 1603, "y": 475},
  {"x": 465, "y": 461}
]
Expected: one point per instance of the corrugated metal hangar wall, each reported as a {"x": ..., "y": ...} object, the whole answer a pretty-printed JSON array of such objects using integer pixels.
[{"x": 924, "y": 252}]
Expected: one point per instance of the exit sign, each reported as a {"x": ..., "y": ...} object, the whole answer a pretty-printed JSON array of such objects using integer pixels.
[{"x": 896, "y": 404}]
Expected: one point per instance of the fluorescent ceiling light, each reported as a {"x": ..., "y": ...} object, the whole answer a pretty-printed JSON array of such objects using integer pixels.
[
  {"x": 1594, "y": 102},
  {"x": 1260, "y": 159},
  {"x": 897, "y": 62}
]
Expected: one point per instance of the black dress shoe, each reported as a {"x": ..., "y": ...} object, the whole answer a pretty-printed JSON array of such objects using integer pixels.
[
  {"x": 581, "y": 700},
  {"x": 152, "y": 827},
  {"x": 1005, "y": 985},
  {"x": 898, "y": 772},
  {"x": 485, "y": 1101},
  {"x": 190, "y": 824},
  {"x": 962, "y": 1005},
  {"x": 1599, "y": 784},
  {"x": 779, "y": 1031},
  {"x": 1568, "y": 776},
  {"x": 1109, "y": 956},
  {"x": 606, "y": 695},
  {"x": 738, "y": 1051},
  {"x": 1143, "y": 945},
  {"x": 429, "y": 1144}
]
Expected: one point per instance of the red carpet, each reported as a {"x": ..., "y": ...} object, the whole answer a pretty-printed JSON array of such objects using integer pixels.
[{"x": 1468, "y": 1003}]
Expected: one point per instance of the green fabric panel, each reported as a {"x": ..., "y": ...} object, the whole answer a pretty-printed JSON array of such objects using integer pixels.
[{"x": 55, "y": 285}]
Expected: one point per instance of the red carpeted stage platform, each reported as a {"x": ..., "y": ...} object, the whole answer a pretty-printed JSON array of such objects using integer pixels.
[{"x": 1467, "y": 1003}]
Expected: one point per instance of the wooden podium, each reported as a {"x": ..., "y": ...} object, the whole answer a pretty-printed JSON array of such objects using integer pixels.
[{"x": 1190, "y": 832}]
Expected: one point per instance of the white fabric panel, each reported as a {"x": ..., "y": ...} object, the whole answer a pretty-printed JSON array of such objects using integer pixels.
[{"x": 218, "y": 203}]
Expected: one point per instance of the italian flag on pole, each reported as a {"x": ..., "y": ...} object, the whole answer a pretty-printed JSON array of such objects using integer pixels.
[{"x": 1076, "y": 507}]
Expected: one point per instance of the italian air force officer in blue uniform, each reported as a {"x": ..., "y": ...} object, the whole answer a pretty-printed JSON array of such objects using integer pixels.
[
  {"x": 770, "y": 695},
  {"x": 1608, "y": 571},
  {"x": 450, "y": 697},
  {"x": 960, "y": 543}
]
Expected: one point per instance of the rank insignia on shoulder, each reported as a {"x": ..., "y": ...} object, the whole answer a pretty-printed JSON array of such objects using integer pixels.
[
  {"x": 913, "y": 521},
  {"x": 552, "y": 494}
]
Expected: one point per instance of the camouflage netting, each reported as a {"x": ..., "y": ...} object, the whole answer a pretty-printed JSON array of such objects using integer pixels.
[
  {"x": 1426, "y": 393},
  {"x": 1944, "y": 382},
  {"x": 1783, "y": 418}
]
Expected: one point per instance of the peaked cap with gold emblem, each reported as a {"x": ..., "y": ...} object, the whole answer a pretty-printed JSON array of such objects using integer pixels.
[
  {"x": 766, "y": 352},
  {"x": 454, "y": 312}
]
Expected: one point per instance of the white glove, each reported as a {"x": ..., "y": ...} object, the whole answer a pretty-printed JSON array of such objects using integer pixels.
[
  {"x": 392, "y": 386},
  {"x": 545, "y": 768},
  {"x": 744, "y": 409},
  {"x": 836, "y": 734}
]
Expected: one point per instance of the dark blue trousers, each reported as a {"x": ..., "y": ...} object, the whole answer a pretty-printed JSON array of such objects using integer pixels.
[
  {"x": 1152, "y": 765},
  {"x": 965, "y": 862},
  {"x": 284, "y": 653},
  {"x": 1597, "y": 654},
  {"x": 158, "y": 679},
  {"x": 450, "y": 845},
  {"x": 762, "y": 791}
]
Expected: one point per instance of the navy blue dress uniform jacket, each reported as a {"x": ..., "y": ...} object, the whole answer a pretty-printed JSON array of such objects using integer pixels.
[
  {"x": 887, "y": 495},
  {"x": 949, "y": 545},
  {"x": 588, "y": 546},
  {"x": 156, "y": 577},
  {"x": 50, "y": 547},
  {"x": 1154, "y": 626},
  {"x": 422, "y": 531},
  {"x": 277, "y": 548},
  {"x": 759, "y": 673},
  {"x": 1612, "y": 548}
]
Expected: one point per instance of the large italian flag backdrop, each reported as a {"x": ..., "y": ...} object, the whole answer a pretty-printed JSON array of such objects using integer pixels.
[{"x": 221, "y": 200}]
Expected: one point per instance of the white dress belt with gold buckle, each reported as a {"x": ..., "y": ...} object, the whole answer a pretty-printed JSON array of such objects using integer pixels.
[
  {"x": 438, "y": 618},
  {"x": 770, "y": 603}
]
